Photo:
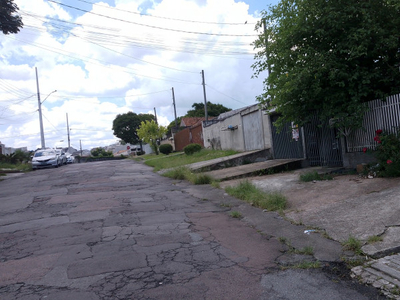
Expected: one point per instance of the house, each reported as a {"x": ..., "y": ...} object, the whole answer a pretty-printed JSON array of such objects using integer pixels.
[{"x": 192, "y": 134}]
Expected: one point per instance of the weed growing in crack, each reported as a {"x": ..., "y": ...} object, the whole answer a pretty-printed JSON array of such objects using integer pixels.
[
  {"x": 374, "y": 239},
  {"x": 235, "y": 214},
  {"x": 353, "y": 244}
]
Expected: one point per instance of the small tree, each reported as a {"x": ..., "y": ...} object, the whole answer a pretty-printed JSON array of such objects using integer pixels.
[{"x": 150, "y": 132}]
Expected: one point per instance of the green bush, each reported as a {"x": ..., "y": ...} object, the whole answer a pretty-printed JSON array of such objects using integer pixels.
[
  {"x": 387, "y": 152},
  {"x": 192, "y": 148},
  {"x": 165, "y": 149}
]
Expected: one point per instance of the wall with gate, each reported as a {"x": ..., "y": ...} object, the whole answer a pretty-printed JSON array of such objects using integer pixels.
[{"x": 383, "y": 115}]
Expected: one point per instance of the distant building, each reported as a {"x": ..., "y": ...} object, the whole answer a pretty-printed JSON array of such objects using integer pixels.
[{"x": 9, "y": 150}]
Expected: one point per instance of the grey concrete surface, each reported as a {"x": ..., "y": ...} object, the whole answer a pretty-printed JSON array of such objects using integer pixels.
[{"x": 116, "y": 230}]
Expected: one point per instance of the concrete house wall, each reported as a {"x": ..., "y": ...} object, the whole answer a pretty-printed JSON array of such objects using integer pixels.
[{"x": 243, "y": 129}]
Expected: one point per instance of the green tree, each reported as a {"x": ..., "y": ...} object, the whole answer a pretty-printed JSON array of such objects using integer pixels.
[
  {"x": 100, "y": 152},
  {"x": 329, "y": 56},
  {"x": 151, "y": 133},
  {"x": 172, "y": 124},
  {"x": 125, "y": 126},
  {"x": 10, "y": 22},
  {"x": 213, "y": 110}
]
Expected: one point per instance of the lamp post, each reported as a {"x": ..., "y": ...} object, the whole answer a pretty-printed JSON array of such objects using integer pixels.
[{"x": 40, "y": 110}]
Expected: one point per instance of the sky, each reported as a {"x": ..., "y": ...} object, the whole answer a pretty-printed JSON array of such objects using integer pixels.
[{"x": 97, "y": 59}]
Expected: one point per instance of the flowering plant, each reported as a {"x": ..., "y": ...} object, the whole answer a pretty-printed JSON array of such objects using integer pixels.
[{"x": 388, "y": 152}]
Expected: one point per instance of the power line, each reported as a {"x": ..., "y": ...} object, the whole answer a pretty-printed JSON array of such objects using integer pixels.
[
  {"x": 150, "y": 26},
  {"x": 166, "y": 18},
  {"x": 226, "y": 95},
  {"x": 97, "y": 60}
]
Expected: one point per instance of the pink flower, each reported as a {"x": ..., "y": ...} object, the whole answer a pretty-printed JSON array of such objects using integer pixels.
[
  {"x": 389, "y": 162},
  {"x": 378, "y": 132},
  {"x": 377, "y": 138},
  {"x": 364, "y": 149}
]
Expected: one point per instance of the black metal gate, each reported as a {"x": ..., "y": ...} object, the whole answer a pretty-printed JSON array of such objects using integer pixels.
[
  {"x": 288, "y": 143},
  {"x": 323, "y": 147}
]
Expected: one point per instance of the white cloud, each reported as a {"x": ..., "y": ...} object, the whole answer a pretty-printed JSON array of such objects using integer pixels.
[{"x": 123, "y": 62}]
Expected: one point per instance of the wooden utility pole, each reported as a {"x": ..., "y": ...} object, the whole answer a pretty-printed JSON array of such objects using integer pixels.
[
  {"x": 173, "y": 102},
  {"x": 205, "y": 97},
  {"x": 155, "y": 115}
]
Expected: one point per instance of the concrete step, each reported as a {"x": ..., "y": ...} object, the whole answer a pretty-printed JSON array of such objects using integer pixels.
[
  {"x": 383, "y": 273},
  {"x": 250, "y": 169}
]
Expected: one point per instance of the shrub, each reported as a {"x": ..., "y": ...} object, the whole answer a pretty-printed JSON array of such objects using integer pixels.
[
  {"x": 387, "y": 152},
  {"x": 165, "y": 149},
  {"x": 192, "y": 148}
]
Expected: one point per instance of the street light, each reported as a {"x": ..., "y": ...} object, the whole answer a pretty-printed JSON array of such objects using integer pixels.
[{"x": 40, "y": 116}]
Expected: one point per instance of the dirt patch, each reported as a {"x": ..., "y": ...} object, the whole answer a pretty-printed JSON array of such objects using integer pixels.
[{"x": 311, "y": 197}]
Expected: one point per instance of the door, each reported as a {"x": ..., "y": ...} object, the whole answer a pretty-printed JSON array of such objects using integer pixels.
[
  {"x": 253, "y": 131},
  {"x": 288, "y": 142}
]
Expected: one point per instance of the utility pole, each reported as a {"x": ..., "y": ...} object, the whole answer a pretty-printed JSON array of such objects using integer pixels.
[
  {"x": 155, "y": 115},
  {"x": 69, "y": 140},
  {"x": 205, "y": 97},
  {"x": 80, "y": 143},
  {"x": 173, "y": 102},
  {"x": 40, "y": 112},
  {"x": 266, "y": 45}
]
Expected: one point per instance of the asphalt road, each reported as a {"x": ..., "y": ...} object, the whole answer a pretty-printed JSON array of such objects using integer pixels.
[{"x": 116, "y": 230}]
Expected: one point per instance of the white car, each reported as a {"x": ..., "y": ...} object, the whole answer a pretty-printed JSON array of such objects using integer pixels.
[
  {"x": 45, "y": 158},
  {"x": 62, "y": 156},
  {"x": 70, "y": 158}
]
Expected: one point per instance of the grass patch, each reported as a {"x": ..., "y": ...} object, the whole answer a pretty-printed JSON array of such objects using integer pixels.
[
  {"x": 374, "y": 239},
  {"x": 178, "y": 173},
  {"x": 235, "y": 214},
  {"x": 202, "y": 179},
  {"x": 225, "y": 205},
  {"x": 353, "y": 244},
  {"x": 313, "y": 175},
  {"x": 16, "y": 167},
  {"x": 307, "y": 265},
  {"x": 183, "y": 173},
  {"x": 248, "y": 192},
  {"x": 161, "y": 161}
]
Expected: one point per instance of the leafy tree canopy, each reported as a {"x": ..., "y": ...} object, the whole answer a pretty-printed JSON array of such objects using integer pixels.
[
  {"x": 213, "y": 110},
  {"x": 100, "y": 152},
  {"x": 329, "y": 56},
  {"x": 150, "y": 132},
  {"x": 172, "y": 124},
  {"x": 125, "y": 126},
  {"x": 10, "y": 22}
]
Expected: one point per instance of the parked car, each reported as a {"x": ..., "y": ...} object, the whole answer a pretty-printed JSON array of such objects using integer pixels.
[
  {"x": 45, "y": 158},
  {"x": 70, "y": 158},
  {"x": 63, "y": 157}
]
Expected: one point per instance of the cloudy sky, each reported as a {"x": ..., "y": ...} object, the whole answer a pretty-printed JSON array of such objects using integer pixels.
[{"x": 114, "y": 56}]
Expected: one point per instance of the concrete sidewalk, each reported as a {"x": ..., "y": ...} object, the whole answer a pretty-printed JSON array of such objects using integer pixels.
[{"x": 348, "y": 206}]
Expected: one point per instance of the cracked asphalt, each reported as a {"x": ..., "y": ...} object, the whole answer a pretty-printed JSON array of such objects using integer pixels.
[{"x": 116, "y": 230}]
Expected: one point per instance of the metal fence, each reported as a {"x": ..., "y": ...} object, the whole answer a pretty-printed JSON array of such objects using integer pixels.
[{"x": 383, "y": 115}]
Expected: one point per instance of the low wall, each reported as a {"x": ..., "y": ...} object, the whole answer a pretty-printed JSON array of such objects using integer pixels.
[{"x": 249, "y": 158}]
